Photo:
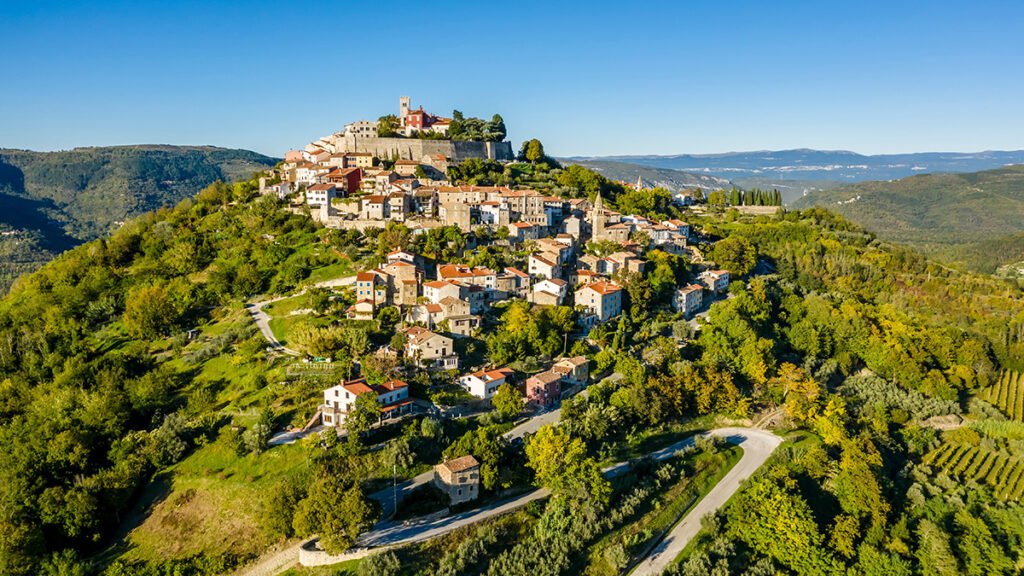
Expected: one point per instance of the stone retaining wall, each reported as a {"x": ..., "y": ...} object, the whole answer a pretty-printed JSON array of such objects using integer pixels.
[{"x": 416, "y": 149}]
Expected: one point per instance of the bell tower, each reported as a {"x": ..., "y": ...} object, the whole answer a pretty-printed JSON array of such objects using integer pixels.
[
  {"x": 403, "y": 109},
  {"x": 597, "y": 219}
]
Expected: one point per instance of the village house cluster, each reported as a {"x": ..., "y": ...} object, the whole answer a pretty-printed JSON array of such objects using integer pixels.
[{"x": 441, "y": 302}]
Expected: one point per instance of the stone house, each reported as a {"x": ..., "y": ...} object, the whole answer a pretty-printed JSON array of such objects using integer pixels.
[{"x": 459, "y": 479}]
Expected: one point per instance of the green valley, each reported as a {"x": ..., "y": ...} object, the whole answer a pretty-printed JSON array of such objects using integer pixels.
[
  {"x": 51, "y": 201},
  {"x": 972, "y": 221}
]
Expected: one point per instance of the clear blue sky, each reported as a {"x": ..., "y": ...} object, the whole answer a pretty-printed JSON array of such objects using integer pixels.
[{"x": 587, "y": 78}]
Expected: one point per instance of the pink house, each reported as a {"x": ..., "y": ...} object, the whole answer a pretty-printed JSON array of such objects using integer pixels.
[{"x": 544, "y": 389}]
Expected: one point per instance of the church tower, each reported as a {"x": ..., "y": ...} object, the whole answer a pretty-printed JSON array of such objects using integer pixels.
[
  {"x": 403, "y": 109},
  {"x": 639, "y": 183},
  {"x": 597, "y": 217}
]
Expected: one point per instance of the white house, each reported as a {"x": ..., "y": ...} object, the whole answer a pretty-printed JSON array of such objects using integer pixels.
[
  {"x": 544, "y": 265},
  {"x": 485, "y": 383},
  {"x": 688, "y": 299},
  {"x": 320, "y": 194},
  {"x": 339, "y": 400},
  {"x": 550, "y": 291},
  {"x": 602, "y": 299},
  {"x": 715, "y": 280}
]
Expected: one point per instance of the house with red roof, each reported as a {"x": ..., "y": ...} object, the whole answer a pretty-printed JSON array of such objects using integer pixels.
[
  {"x": 339, "y": 400},
  {"x": 485, "y": 383},
  {"x": 601, "y": 299}
]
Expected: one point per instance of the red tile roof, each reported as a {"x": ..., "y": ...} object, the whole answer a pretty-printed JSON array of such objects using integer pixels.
[{"x": 603, "y": 288}]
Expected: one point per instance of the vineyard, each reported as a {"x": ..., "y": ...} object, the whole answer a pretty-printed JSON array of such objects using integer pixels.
[
  {"x": 1007, "y": 395},
  {"x": 1005, "y": 474}
]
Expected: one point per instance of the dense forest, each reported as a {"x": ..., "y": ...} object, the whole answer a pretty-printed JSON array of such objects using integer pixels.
[
  {"x": 51, "y": 201},
  {"x": 115, "y": 418}
]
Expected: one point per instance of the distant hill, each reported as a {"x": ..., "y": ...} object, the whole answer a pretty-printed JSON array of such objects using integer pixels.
[
  {"x": 674, "y": 180},
  {"x": 51, "y": 201},
  {"x": 973, "y": 221},
  {"x": 776, "y": 167}
]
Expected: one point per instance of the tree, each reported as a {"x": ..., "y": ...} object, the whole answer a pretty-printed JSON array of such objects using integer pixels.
[
  {"x": 318, "y": 299},
  {"x": 735, "y": 254},
  {"x": 380, "y": 564},
  {"x": 149, "y": 312},
  {"x": 257, "y": 437},
  {"x": 365, "y": 412},
  {"x": 717, "y": 199},
  {"x": 562, "y": 465},
  {"x": 387, "y": 126},
  {"x": 388, "y": 317},
  {"x": 508, "y": 400},
  {"x": 496, "y": 129},
  {"x": 335, "y": 509},
  {"x": 533, "y": 151}
]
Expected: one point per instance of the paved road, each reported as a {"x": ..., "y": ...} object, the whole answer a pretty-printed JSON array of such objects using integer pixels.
[
  {"x": 757, "y": 446},
  {"x": 387, "y": 496},
  {"x": 262, "y": 319}
]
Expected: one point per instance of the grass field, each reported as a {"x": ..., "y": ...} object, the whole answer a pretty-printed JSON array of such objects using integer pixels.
[
  {"x": 211, "y": 503},
  {"x": 284, "y": 326},
  {"x": 286, "y": 306}
]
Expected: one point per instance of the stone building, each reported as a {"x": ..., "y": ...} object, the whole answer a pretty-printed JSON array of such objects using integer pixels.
[{"x": 459, "y": 479}]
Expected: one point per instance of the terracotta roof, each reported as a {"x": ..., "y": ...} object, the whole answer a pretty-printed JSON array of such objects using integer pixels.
[
  {"x": 460, "y": 464},
  {"x": 439, "y": 284},
  {"x": 321, "y": 187},
  {"x": 691, "y": 288},
  {"x": 517, "y": 272},
  {"x": 375, "y": 199},
  {"x": 575, "y": 360},
  {"x": 357, "y": 387},
  {"x": 457, "y": 271},
  {"x": 603, "y": 288},
  {"x": 542, "y": 259},
  {"x": 366, "y": 276},
  {"x": 546, "y": 377},
  {"x": 390, "y": 386},
  {"x": 433, "y": 308}
]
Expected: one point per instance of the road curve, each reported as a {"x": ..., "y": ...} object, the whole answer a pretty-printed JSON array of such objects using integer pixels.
[{"x": 757, "y": 446}]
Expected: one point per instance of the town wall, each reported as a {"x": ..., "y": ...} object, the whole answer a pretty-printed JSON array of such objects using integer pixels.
[{"x": 416, "y": 149}]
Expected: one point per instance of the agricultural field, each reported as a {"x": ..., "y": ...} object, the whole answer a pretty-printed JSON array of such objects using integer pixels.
[
  {"x": 1007, "y": 395},
  {"x": 997, "y": 469}
]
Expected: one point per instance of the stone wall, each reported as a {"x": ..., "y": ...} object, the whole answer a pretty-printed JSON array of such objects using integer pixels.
[
  {"x": 415, "y": 149},
  {"x": 310, "y": 554}
]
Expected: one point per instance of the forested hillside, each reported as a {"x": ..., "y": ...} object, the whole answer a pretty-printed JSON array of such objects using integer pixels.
[
  {"x": 133, "y": 447},
  {"x": 973, "y": 221},
  {"x": 50, "y": 201}
]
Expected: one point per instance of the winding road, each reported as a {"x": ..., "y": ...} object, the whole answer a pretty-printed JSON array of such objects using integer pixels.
[
  {"x": 262, "y": 319},
  {"x": 757, "y": 445}
]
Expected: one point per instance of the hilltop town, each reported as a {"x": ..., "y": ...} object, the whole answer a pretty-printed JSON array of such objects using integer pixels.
[{"x": 570, "y": 252}]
